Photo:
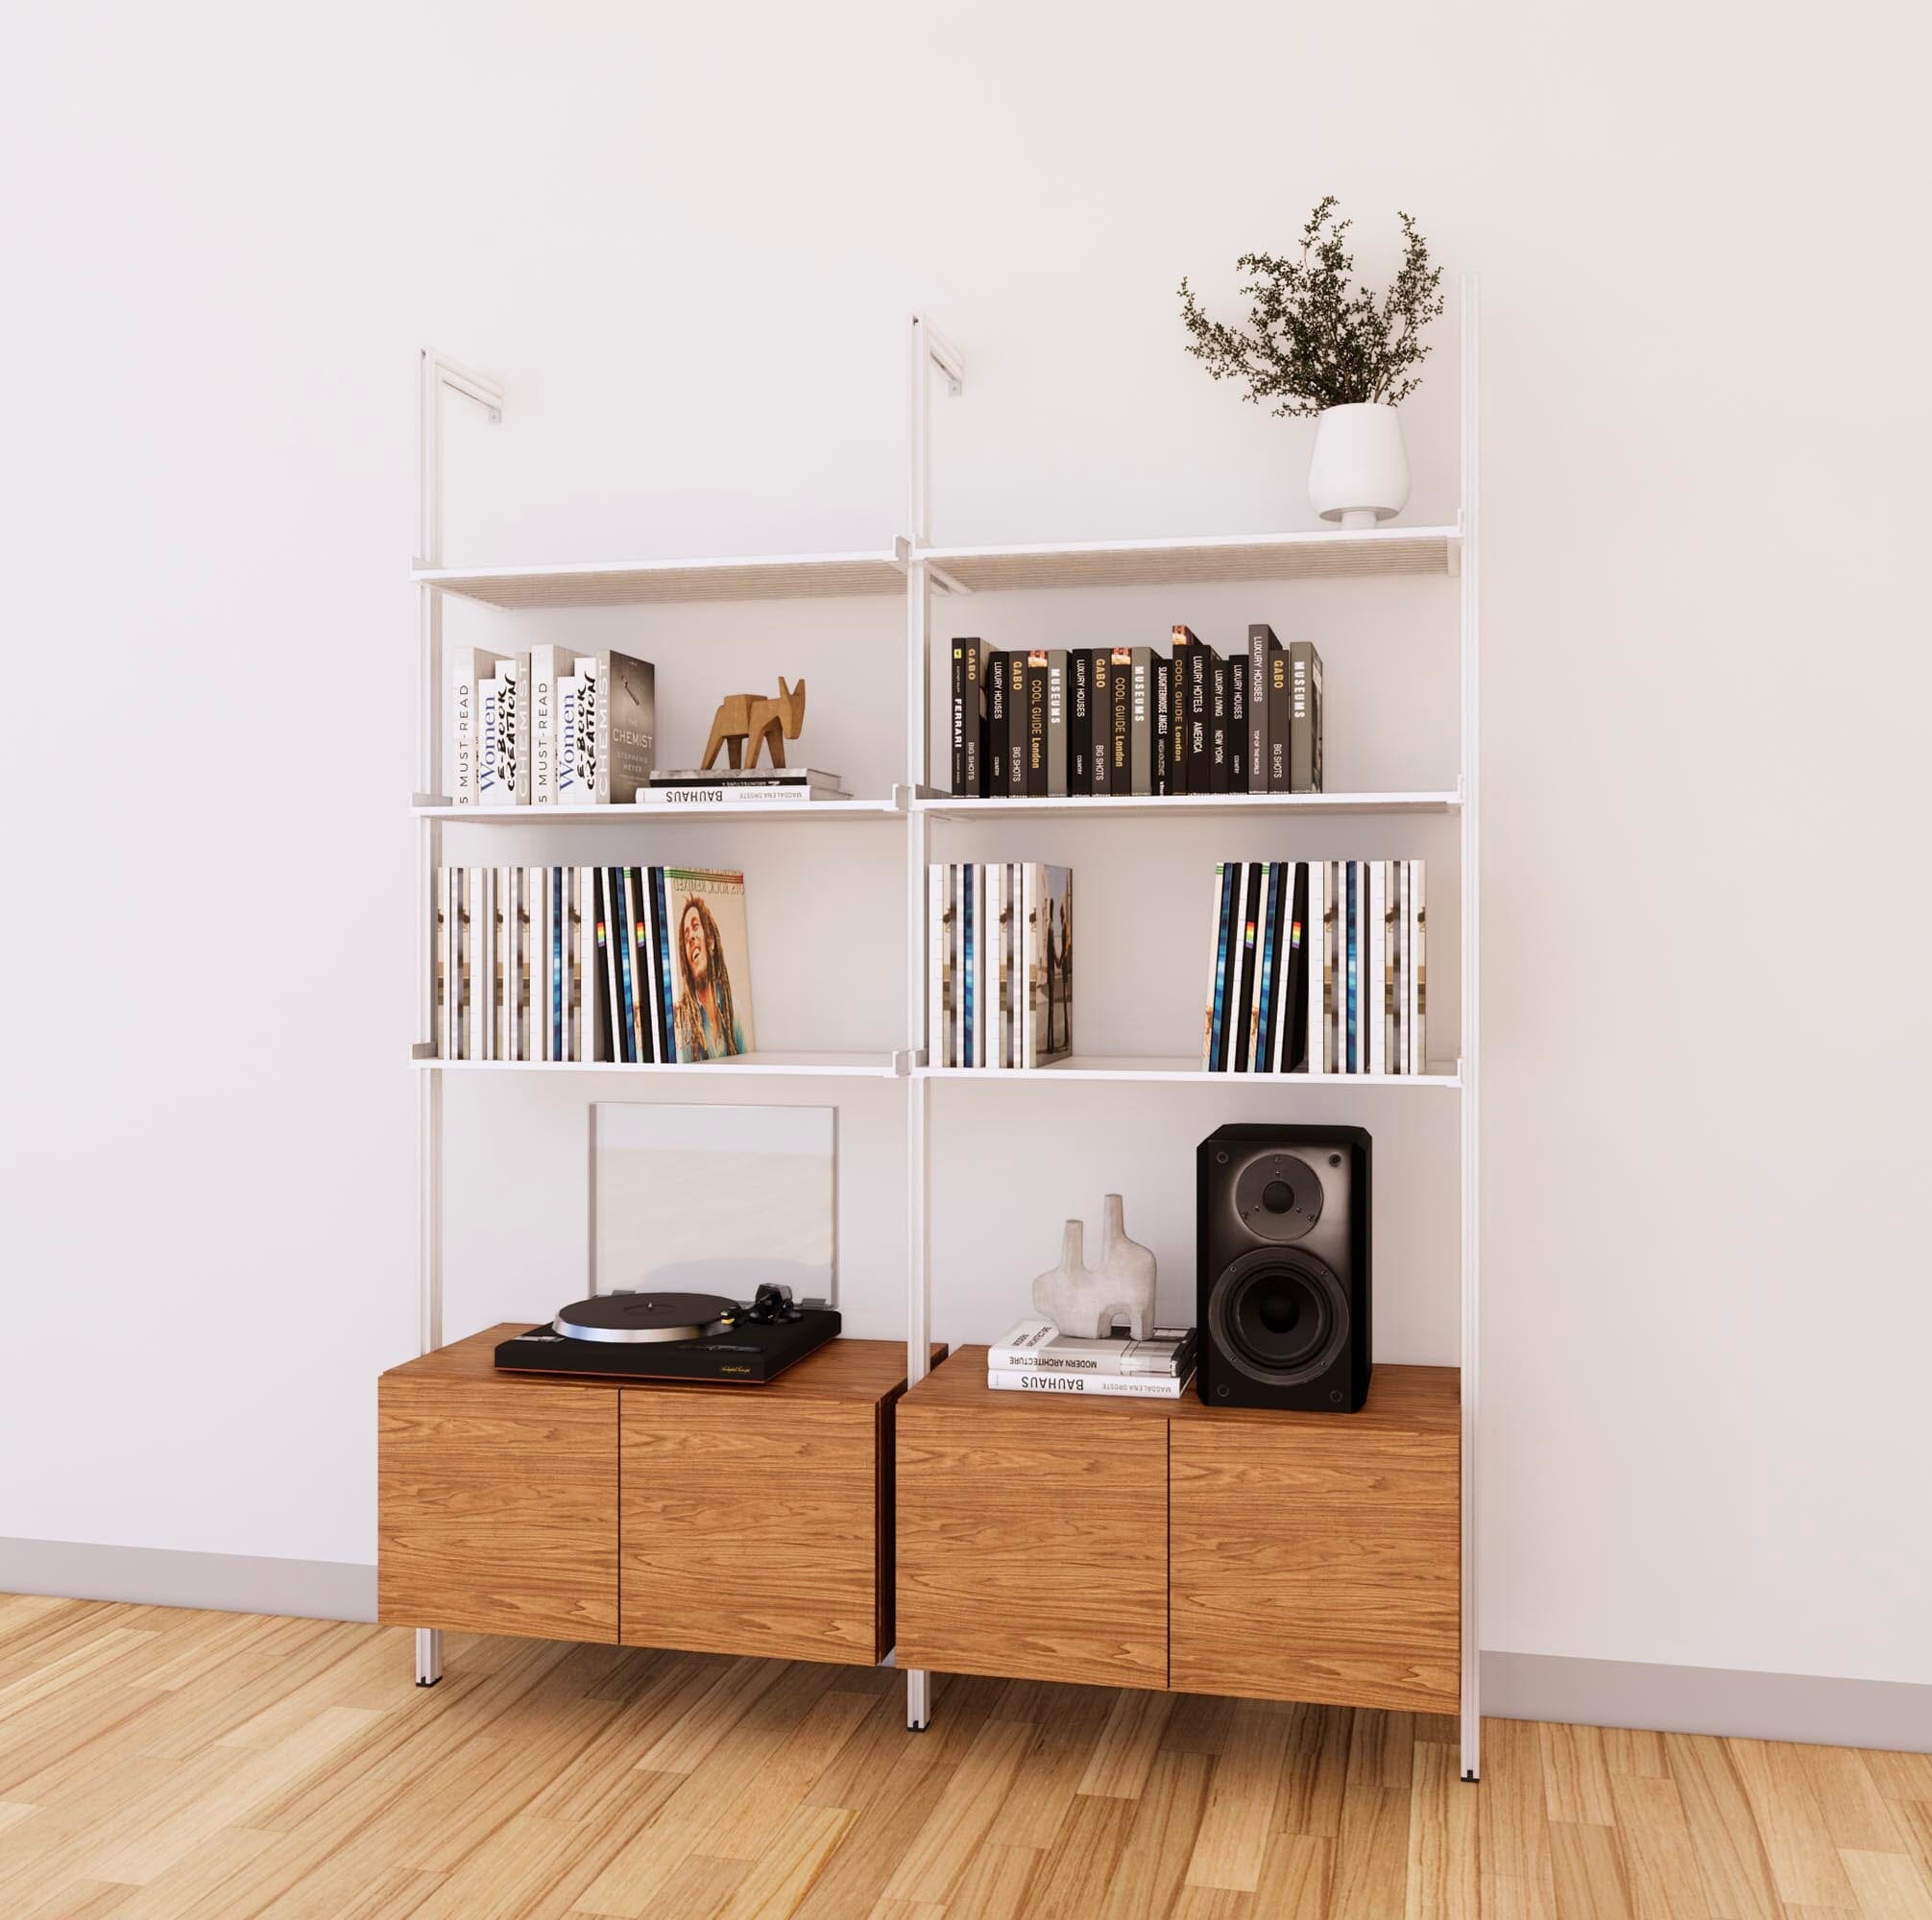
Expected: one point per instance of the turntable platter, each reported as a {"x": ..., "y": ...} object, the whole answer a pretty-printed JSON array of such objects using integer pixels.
[{"x": 638, "y": 1319}]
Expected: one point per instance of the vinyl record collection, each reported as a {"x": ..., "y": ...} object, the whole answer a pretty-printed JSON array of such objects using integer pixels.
[
  {"x": 1101, "y": 721},
  {"x": 632, "y": 965},
  {"x": 999, "y": 945},
  {"x": 1316, "y": 967}
]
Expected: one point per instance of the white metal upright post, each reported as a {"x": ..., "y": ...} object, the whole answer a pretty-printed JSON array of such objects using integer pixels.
[
  {"x": 929, "y": 350},
  {"x": 435, "y": 373},
  {"x": 1469, "y": 1095}
]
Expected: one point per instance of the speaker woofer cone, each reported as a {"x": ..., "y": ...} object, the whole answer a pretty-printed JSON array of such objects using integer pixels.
[{"x": 1279, "y": 1315}]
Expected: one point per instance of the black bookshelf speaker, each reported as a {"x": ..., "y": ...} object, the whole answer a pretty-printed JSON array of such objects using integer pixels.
[{"x": 1282, "y": 1267}]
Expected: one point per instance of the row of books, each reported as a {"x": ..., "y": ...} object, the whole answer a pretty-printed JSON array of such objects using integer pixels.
[
  {"x": 1035, "y": 1356},
  {"x": 548, "y": 728},
  {"x": 999, "y": 949},
  {"x": 632, "y": 964},
  {"x": 1128, "y": 720},
  {"x": 1316, "y": 967}
]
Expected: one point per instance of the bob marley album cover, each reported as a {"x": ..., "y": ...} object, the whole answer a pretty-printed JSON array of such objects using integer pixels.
[{"x": 710, "y": 963}]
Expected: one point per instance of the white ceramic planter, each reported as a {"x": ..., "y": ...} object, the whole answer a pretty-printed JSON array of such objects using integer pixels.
[{"x": 1359, "y": 475}]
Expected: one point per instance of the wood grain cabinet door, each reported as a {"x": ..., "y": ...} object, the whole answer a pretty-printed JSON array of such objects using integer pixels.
[
  {"x": 498, "y": 1507},
  {"x": 1316, "y": 1561},
  {"x": 1033, "y": 1543},
  {"x": 754, "y": 1525}
]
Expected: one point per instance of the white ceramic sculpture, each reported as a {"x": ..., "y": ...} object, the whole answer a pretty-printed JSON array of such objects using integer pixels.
[{"x": 1083, "y": 1301}]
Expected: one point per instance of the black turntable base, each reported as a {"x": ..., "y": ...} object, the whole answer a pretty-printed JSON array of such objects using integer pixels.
[{"x": 674, "y": 1336}]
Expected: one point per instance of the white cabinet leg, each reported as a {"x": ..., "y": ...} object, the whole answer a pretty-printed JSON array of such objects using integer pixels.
[
  {"x": 918, "y": 1699},
  {"x": 428, "y": 1656}
]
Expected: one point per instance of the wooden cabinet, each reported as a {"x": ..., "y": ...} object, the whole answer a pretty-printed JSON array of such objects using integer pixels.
[
  {"x": 1032, "y": 1539},
  {"x": 1166, "y": 1544},
  {"x": 735, "y": 1520},
  {"x": 1317, "y": 1557}
]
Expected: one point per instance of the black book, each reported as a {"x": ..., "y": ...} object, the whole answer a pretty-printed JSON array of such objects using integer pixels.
[
  {"x": 1226, "y": 966},
  {"x": 630, "y": 994},
  {"x": 636, "y": 883},
  {"x": 1056, "y": 723},
  {"x": 1120, "y": 685},
  {"x": 1177, "y": 726},
  {"x": 1164, "y": 715},
  {"x": 1016, "y": 724},
  {"x": 1237, "y": 724},
  {"x": 1199, "y": 713},
  {"x": 1259, "y": 641},
  {"x": 1300, "y": 957},
  {"x": 610, "y": 1002},
  {"x": 1279, "y": 709},
  {"x": 975, "y": 719},
  {"x": 1304, "y": 740},
  {"x": 1242, "y": 1025},
  {"x": 660, "y": 929},
  {"x": 996, "y": 724},
  {"x": 1141, "y": 720},
  {"x": 1036, "y": 726},
  {"x": 1080, "y": 721},
  {"x": 958, "y": 719},
  {"x": 1268, "y": 971},
  {"x": 1216, "y": 725},
  {"x": 1100, "y": 743}
]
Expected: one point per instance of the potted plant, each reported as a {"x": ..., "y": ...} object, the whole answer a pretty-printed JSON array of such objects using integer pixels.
[{"x": 1317, "y": 343}]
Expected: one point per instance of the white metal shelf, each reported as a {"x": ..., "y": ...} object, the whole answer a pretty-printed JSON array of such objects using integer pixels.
[
  {"x": 839, "y": 1066},
  {"x": 1203, "y": 806},
  {"x": 1325, "y": 554},
  {"x": 656, "y": 816},
  {"x": 637, "y": 583},
  {"x": 1181, "y": 1066}
]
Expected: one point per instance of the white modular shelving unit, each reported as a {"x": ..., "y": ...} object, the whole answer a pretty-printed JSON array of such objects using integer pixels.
[{"x": 919, "y": 570}]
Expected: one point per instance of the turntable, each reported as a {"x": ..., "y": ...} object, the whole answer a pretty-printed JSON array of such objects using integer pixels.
[{"x": 675, "y": 1336}]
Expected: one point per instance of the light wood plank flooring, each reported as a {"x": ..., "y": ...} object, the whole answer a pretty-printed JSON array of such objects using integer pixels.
[{"x": 158, "y": 1765}]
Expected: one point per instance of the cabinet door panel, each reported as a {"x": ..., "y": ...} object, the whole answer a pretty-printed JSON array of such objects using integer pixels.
[
  {"x": 498, "y": 1507},
  {"x": 753, "y": 1524},
  {"x": 1033, "y": 1543},
  {"x": 1316, "y": 1562}
]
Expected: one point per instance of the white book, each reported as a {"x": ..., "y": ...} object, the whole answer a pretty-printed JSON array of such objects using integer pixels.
[
  {"x": 1398, "y": 967},
  {"x": 1311, "y": 971},
  {"x": 1003, "y": 924},
  {"x": 468, "y": 668},
  {"x": 737, "y": 796},
  {"x": 1039, "y": 1346},
  {"x": 1099, "y": 1386},
  {"x": 549, "y": 665},
  {"x": 497, "y": 719},
  {"x": 1376, "y": 998},
  {"x": 959, "y": 891},
  {"x": 539, "y": 963},
  {"x": 1418, "y": 955},
  {"x": 576, "y": 970},
  {"x": 1213, "y": 964},
  {"x": 445, "y": 976},
  {"x": 935, "y": 928},
  {"x": 981, "y": 946},
  {"x": 530, "y": 955},
  {"x": 576, "y": 736}
]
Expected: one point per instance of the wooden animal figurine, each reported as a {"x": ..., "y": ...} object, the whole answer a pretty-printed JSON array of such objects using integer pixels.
[
  {"x": 1083, "y": 1301},
  {"x": 757, "y": 719}
]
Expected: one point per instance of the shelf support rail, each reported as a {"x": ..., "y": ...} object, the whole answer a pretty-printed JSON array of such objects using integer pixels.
[
  {"x": 931, "y": 349},
  {"x": 437, "y": 374}
]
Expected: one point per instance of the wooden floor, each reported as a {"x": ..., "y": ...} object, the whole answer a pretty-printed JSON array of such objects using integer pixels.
[{"x": 167, "y": 1765}]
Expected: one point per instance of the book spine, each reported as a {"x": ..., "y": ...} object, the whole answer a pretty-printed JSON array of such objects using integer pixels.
[
  {"x": 516, "y": 730},
  {"x": 974, "y": 737},
  {"x": 544, "y": 668},
  {"x": 1101, "y": 728},
  {"x": 1218, "y": 742},
  {"x": 1313, "y": 939},
  {"x": 1056, "y": 723},
  {"x": 1418, "y": 984},
  {"x": 445, "y": 927},
  {"x": 1117, "y": 1386},
  {"x": 1088, "y": 1366},
  {"x": 1164, "y": 727},
  {"x": 661, "y": 932},
  {"x": 467, "y": 666},
  {"x": 959, "y": 785},
  {"x": 1304, "y": 744},
  {"x": 1177, "y": 728},
  {"x": 586, "y": 1042},
  {"x": 1279, "y": 718},
  {"x": 1030, "y": 871},
  {"x": 1258, "y": 638},
  {"x": 935, "y": 933},
  {"x": 1141, "y": 720},
  {"x": 1199, "y": 754},
  {"x": 1376, "y": 999},
  {"x": 1120, "y": 747},
  {"x": 1237, "y": 703},
  {"x": 1080, "y": 720},
  {"x": 1267, "y": 996},
  {"x": 997, "y": 728},
  {"x": 1241, "y": 1050},
  {"x": 1016, "y": 725},
  {"x": 573, "y": 787}
]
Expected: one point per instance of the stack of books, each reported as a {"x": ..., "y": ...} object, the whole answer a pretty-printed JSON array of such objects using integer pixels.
[
  {"x": 1036, "y": 1358},
  {"x": 1102, "y": 721},
  {"x": 774, "y": 786},
  {"x": 548, "y": 728},
  {"x": 1316, "y": 967}
]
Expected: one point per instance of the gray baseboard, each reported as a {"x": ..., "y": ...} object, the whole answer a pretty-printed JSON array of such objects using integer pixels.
[
  {"x": 158, "y": 1577},
  {"x": 1811, "y": 1708}
]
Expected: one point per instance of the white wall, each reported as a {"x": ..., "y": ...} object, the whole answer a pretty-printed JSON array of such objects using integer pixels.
[{"x": 687, "y": 239}]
